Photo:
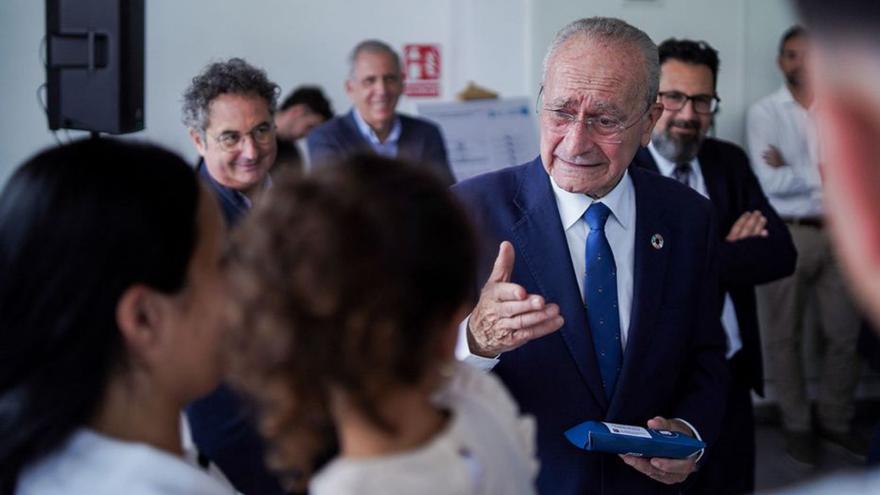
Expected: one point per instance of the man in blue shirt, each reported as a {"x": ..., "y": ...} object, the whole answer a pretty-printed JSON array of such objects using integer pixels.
[{"x": 374, "y": 85}]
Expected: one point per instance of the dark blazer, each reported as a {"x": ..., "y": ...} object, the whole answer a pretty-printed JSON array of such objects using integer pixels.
[
  {"x": 222, "y": 427},
  {"x": 231, "y": 203},
  {"x": 420, "y": 142},
  {"x": 734, "y": 190},
  {"x": 673, "y": 364}
]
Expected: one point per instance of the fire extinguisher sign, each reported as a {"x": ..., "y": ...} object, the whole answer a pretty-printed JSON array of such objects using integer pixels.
[{"x": 421, "y": 67}]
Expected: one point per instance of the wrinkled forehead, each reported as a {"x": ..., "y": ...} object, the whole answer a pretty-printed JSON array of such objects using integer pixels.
[{"x": 610, "y": 75}]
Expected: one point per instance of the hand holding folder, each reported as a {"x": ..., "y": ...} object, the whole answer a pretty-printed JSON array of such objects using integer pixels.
[{"x": 658, "y": 451}]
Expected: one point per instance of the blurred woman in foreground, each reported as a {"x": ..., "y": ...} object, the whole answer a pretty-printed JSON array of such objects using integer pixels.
[{"x": 109, "y": 255}]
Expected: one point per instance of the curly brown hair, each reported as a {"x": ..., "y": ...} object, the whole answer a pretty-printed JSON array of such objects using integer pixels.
[{"x": 346, "y": 278}]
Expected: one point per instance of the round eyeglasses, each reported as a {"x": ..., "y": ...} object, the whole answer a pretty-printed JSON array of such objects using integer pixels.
[{"x": 231, "y": 141}]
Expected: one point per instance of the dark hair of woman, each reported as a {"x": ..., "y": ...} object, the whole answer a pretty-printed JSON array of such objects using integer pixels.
[
  {"x": 78, "y": 225},
  {"x": 347, "y": 280}
]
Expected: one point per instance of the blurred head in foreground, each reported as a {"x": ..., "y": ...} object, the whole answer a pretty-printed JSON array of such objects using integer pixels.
[
  {"x": 105, "y": 298},
  {"x": 351, "y": 286},
  {"x": 846, "y": 68}
]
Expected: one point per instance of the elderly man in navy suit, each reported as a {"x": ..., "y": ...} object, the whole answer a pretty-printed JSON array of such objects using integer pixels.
[
  {"x": 374, "y": 85},
  {"x": 755, "y": 245},
  {"x": 603, "y": 301}
]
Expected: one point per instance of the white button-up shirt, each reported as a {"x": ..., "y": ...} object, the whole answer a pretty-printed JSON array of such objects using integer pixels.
[{"x": 794, "y": 189}]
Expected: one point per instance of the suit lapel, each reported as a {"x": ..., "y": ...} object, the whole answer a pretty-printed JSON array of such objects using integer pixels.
[
  {"x": 408, "y": 146},
  {"x": 353, "y": 134},
  {"x": 649, "y": 273},
  {"x": 645, "y": 160},
  {"x": 541, "y": 245}
]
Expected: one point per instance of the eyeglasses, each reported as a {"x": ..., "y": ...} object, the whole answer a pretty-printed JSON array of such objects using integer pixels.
[
  {"x": 602, "y": 128},
  {"x": 676, "y": 100},
  {"x": 231, "y": 141}
]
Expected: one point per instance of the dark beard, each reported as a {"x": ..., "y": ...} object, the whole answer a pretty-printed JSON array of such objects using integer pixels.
[{"x": 677, "y": 149}]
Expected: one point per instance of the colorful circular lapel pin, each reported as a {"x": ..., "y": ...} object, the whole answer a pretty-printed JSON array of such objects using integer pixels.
[{"x": 657, "y": 241}]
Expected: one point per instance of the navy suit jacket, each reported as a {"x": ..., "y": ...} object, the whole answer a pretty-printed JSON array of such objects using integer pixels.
[
  {"x": 734, "y": 190},
  {"x": 420, "y": 142},
  {"x": 673, "y": 364},
  {"x": 222, "y": 426}
]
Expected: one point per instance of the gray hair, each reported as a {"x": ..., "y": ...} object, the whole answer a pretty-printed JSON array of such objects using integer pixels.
[
  {"x": 372, "y": 46},
  {"x": 616, "y": 31},
  {"x": 233, "y": 76}
]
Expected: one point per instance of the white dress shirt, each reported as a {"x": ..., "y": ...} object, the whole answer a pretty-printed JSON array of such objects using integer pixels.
[
  {"x": 698, "y": 183},
  {"x": 794, "y": 189}
]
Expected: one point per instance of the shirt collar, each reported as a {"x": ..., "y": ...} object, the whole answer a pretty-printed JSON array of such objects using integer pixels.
[
  {"x": 572, "y": 206},
  {"x": 370, "y": 135},
  {"x": 665, "y": 166},
  {"x": 783, "y": 95}
]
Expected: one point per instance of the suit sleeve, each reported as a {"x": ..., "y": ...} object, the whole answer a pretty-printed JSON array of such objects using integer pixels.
[
  {"x": 756, "y": 260},
  {"x": 706, "y": 377},
  {"x": 323, "y": 147},
  {"x": 435, "y": 153}
]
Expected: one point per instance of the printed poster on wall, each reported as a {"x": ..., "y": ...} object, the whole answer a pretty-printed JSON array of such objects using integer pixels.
[{"x": 485, "y": 135}]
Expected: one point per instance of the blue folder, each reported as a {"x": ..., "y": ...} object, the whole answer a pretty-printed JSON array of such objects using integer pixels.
[{"x": 634, "y": 440}]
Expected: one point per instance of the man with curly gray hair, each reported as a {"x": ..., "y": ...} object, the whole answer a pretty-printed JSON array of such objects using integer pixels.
[{"x": 229, "y": 109}]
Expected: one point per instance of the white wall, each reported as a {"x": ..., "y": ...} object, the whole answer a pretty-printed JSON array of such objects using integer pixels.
[
  {"x": 296, "y": 41},
  {"x": 497, "y": 43}
]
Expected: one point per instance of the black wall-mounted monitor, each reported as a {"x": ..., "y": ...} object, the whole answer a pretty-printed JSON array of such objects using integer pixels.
[{"x": 95, "y": 65}]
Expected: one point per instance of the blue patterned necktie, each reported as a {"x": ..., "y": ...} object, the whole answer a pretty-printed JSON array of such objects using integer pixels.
[{"x": 600, "y": 297}]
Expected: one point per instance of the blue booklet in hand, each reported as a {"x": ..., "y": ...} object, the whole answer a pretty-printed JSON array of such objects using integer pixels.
[{"x": 634, "y": 440}]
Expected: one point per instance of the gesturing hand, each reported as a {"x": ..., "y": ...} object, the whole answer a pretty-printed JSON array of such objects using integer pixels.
[
  {"x": 668, "y": 471},
  {"x": 506, "y": 317}
]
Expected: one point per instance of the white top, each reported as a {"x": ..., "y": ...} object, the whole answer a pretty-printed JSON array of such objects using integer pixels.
[
  {"x": 95, "y": 464},
  {"x": 486, "y": 448},
  {"x": 620, "y": 229},
  {"x": 698, "y": 183},
  {"x": 794, "y": 189}
]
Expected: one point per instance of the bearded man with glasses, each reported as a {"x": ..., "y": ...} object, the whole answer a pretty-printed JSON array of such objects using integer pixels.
[
  {"x": 755, "y": 246},
  {"x": 602, "y": 302}
]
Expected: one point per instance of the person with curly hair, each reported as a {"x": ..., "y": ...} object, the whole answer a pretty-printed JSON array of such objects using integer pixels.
[
  {"x": 229, "y": 110},
  {"x": 350, "y": 289}
]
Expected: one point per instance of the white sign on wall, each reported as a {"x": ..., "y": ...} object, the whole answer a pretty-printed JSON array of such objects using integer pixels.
[{"x": 485, "y": 135}]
